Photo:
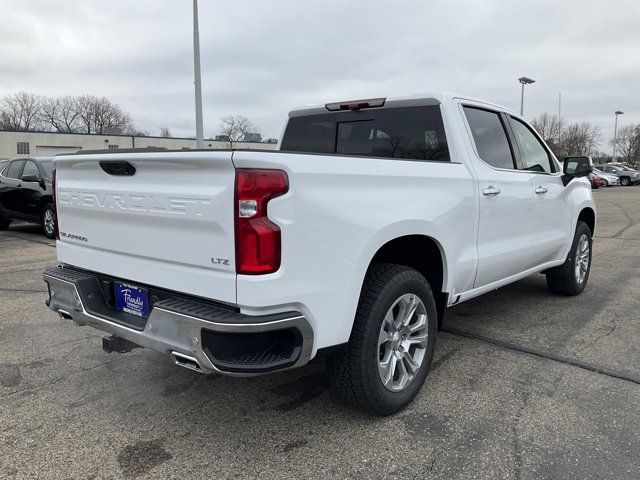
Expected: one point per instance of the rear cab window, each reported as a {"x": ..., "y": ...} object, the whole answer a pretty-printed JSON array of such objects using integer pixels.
[{"x": 412, "y": 133}]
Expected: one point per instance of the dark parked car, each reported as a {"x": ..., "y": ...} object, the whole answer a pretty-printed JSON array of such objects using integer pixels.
[{"x": 26, "y": 193}]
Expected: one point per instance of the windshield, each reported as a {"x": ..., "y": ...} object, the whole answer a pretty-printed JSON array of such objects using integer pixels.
[{"x": 47, "y": 166}]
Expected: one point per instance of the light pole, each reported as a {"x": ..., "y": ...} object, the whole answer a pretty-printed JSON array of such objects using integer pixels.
[
  {"x": 615, "y": 135},
  {"x": 524, "y": 81},
  {"x": 197, "y": 82}
]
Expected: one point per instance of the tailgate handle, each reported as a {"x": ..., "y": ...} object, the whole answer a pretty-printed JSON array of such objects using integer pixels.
[{"x": 118, "y": 167}]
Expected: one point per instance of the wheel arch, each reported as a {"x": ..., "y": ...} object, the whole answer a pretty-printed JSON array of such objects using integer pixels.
[
  {"x": 588, "y": 216},
  {"x": 423, "y": 253},
  {"x": 44, "y": 200}
]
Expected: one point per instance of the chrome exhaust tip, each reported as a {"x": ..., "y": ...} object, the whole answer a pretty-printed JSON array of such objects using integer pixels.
[{"x": 186, "y": 361}]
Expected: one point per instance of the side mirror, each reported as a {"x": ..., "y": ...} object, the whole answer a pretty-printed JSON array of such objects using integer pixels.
[
  {"x": 575, "y": 167},
  {"x": 30, "y": 178}
]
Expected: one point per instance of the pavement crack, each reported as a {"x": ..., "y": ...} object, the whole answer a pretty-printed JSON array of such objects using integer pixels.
[
  {"x": 434, "y": 460},
  {"x": 626, "y": 214},
  {"x": 20, "y": 237},
  {"x": 591, "y": 344},
  {"x": 58, "y": 380},
  {"x": 24, "y": 290},
  {"x": 621, "y": 375}
]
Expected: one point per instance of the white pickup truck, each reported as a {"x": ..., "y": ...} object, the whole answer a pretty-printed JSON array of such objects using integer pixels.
[{"x": 348, "y": 242}]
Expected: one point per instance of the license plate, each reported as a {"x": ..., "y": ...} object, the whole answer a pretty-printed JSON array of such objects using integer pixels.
[{"x": 132, "y": 299}]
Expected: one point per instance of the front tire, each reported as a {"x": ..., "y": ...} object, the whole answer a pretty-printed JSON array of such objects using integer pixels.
[
  {"x": 625, "y": 181},
  {"x": 572, "y": 276},
  {"x": 392, "y": 342},
  {"x": 47, "y": 220}
]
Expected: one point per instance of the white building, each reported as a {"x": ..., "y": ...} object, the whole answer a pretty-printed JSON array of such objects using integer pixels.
[{"x": 47, "y": 144}]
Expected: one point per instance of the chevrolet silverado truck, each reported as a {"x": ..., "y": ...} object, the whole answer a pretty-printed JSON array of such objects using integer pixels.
[{"x": 349, "y": 242}]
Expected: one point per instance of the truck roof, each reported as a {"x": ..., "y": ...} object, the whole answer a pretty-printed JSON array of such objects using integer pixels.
[{"x": 394, "y": 101}]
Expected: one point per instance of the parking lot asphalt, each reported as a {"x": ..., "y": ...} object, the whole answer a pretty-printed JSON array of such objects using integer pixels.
[{"x": 525, "y": 384}]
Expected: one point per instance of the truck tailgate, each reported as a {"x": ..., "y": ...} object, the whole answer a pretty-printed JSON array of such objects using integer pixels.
[{"x": 170, "y": 224}]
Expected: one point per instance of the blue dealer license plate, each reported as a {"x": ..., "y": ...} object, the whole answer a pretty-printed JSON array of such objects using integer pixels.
[{"x": 131, "y": 299}]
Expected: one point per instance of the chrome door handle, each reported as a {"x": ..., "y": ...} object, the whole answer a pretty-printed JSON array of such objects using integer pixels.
[
  {"x": 540, "y": 190},
  {"x": 491, "y": 191}
]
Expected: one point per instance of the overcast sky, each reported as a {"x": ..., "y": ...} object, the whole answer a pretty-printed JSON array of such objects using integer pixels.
[{"x": 260, "y": 58}]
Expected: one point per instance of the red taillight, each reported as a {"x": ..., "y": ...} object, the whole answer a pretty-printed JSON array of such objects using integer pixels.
[
  {"x": 55, "y": 204},
  {"x": 257, "y": 238}
]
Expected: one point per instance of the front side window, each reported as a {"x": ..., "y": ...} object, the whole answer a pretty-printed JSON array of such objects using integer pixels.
[
  {"x": 30, "y": 168},
  {"x": 534, "y": 156},
  {"x": 415, "y": 133},
  {"x": 15, "y": 168},
  {"x": 490, "y": 137}
]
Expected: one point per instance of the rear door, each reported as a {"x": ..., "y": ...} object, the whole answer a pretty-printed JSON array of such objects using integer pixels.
[
  {"x": 552, "y": 208},
  {"x": 164, "y": 218},
  {"x": 506, "y": 214}
]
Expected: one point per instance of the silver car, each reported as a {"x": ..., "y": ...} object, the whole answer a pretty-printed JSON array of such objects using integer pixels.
[{"x": 609, "y": 180}]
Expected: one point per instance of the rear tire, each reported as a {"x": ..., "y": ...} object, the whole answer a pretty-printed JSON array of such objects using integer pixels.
[
  {"x": 606, "y": 184},
  {"x": 4, "y": 224},
  {"x": 571, "y": 277},
  {"x": 392, "y": 342},
  {"x": 47, "y": 220}
]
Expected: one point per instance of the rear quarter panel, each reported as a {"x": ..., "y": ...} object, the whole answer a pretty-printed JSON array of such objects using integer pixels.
[{"x": 338, "y": 212}]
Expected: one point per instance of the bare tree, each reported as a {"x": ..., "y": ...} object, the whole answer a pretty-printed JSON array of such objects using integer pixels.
[
  {"x": 165, "y": 132},
  {"x": 21, "y": 111},
  {"x": 235, "y": 128},
  {"x": 100, "y": 115},
  {"x": 628, "y": 143},
  {"x": 550, "y": 128},
  {"x": 61, "y": 114},
  {"x": 580, "y": 139}
]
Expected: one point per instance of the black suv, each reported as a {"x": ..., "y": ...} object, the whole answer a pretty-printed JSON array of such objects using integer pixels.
[{"x": 26, "y": 193}]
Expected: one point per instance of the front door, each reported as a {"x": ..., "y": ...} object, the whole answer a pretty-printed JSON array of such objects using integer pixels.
[{"x": 551, "y": 206}]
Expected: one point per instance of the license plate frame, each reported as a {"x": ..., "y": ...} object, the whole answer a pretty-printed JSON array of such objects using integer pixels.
[{"x": 131, "y": 299}]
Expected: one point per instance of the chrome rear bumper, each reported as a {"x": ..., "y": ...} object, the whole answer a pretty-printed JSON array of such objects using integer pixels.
[{"x": 178, "y": 327}]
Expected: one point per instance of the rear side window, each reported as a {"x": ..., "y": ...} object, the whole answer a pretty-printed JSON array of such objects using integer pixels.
[
  {"x": 490, "y": 137},
  {"x": 14, "y": 170},
  {"x": 415, "y": 133}
]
